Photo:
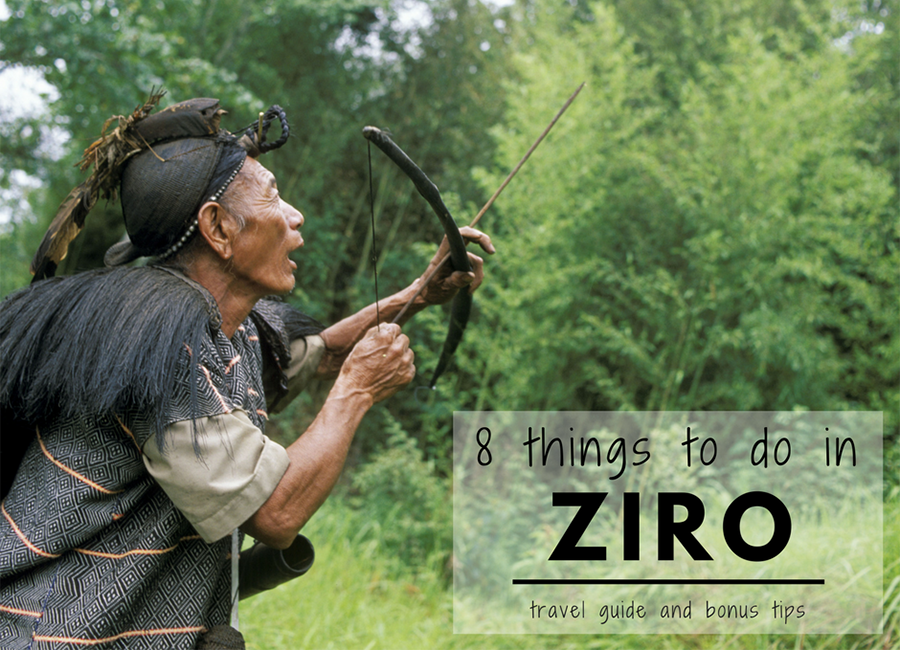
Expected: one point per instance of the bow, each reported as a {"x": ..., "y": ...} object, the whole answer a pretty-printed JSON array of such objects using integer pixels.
[{"x": 462, "y": 302}]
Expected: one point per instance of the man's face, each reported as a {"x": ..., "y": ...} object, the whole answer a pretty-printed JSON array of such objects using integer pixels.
[{"x": 261, "y": 250}]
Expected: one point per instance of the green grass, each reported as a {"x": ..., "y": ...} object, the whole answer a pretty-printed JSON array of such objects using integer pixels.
[
  {"x": 357, "y": 597},
  {"x": 348, "y": 599}
]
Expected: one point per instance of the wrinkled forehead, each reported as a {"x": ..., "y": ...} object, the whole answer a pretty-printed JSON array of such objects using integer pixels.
[
  {"x": 254, "y": 177},
  {"x": 254, "y": 180},
  {"x": 255, "y": 169}
]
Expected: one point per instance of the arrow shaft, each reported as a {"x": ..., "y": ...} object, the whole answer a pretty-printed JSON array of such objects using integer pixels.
[{"x": 493, "y": 198}]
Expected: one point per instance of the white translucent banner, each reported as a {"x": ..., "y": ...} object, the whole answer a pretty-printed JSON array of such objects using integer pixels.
[{"x": 688, "y": 523}]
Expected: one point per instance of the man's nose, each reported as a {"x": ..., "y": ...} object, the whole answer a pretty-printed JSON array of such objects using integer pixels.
[{"x": 296, "y": 217}]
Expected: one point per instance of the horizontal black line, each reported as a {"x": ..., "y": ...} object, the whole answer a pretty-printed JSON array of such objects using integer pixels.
[{"x": 665, "y": 581}]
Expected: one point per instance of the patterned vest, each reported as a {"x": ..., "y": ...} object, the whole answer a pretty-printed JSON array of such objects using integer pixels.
[{"x": 92, "y": 551}]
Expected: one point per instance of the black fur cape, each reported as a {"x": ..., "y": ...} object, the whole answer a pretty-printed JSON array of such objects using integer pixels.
[{"x": 109, "y": 340}]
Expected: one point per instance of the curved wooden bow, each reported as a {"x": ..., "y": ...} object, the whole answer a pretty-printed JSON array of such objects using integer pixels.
[{"x": 462, "y": 302}]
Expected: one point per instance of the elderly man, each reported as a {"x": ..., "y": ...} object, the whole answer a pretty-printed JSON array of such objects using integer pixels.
[{"x": 142, "y": 394}]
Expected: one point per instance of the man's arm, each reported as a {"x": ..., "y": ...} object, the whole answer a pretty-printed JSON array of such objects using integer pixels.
[
  {"x": 343, "y": 335},
  {"x": 376, "y": 368}
]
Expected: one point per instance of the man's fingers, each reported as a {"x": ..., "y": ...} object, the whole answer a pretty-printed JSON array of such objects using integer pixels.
[
  {"x": 472, "y": 279},
  {"x": 469, "y": 235},
  {"x": 387, "y": 331},
  {"x": 408, "y": 360},
  {"x": 402, "y": 342},
  {"x": 482, "y": 239},
  {"x": 394, "y": 340},
  {"x": 478, "y": 269},
  {"x": 460, "y": 279},
  {"x": 444, "y": 285}
]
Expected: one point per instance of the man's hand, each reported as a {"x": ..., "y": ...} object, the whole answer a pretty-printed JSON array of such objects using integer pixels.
[
  {"x": 380, "y": 364},
  {"x": 342, "y": 336},
  {"x": 444, "y": 285}
]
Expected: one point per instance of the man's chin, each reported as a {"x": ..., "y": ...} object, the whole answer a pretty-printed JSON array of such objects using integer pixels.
[{"x": 283, "y": 290}]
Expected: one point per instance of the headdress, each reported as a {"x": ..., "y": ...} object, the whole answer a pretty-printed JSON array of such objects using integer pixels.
[{"x": 164, "y": 166}]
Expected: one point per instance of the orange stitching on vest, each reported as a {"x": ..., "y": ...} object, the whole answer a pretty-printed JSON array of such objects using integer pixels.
[
  {"x": 22, "y": 537},
  {"x": 71, "y": 471}
]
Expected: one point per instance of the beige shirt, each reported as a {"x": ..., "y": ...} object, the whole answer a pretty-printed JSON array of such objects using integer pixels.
[{"x": 238, "y": 467}]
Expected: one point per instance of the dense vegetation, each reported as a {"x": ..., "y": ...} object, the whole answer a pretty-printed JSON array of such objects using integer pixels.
[{"x": 713, "y": 225}]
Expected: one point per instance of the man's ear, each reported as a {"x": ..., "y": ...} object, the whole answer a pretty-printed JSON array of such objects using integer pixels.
[{"x": 218, "y": 227}]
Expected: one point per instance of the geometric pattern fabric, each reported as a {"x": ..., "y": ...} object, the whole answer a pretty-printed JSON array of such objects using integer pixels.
[{"x": 92, "y": 551}]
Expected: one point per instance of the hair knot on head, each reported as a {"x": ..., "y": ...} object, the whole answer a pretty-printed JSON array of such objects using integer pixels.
[{"x": 254, "y": 138}]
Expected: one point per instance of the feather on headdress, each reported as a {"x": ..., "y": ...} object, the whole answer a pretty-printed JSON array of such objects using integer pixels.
[{"x": 108, "y": 155}]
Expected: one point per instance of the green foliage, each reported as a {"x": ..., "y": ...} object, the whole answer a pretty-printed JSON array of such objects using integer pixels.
[
  {"x": 17, "y": 242},
  {"x": 351, "y": 598},
  {"x": 731, "y": 252},
  {"x": 679, "y": 38},
  {"x": 104, "y": 57},
  {"x": 407, "y": 507}
]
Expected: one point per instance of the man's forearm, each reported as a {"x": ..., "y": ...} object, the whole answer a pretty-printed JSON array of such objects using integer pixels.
[
  {"x": 317, "y": 458},
  {"x": 343, "y": 335},
  {"x": 377, "y": 367}
]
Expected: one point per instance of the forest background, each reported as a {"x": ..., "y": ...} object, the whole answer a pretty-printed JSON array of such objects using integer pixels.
[{"x": 712, "y": 226}]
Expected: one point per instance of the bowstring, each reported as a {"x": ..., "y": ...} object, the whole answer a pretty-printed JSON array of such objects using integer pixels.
[{"x": 374, "y": 249}]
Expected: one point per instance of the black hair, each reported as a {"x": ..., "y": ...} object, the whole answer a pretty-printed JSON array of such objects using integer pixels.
[{"x": 103, "y": 340}]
